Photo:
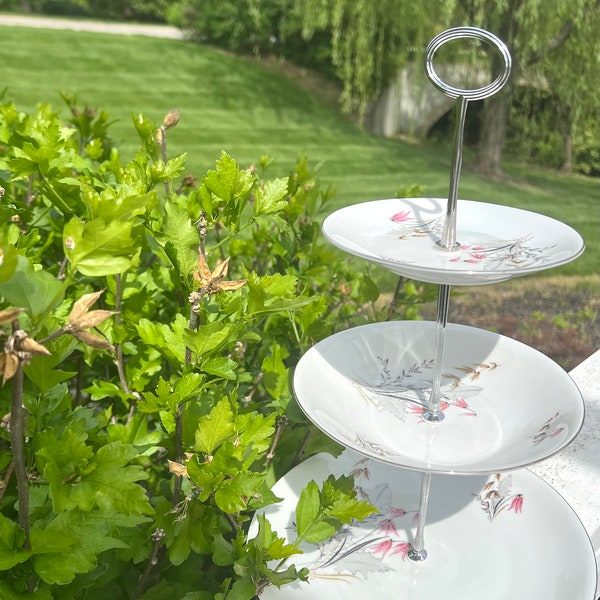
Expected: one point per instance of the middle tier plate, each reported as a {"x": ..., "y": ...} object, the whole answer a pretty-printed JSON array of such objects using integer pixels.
[
  {"x": 495, "y": 242},
  {"x": 506, "y": 404}
]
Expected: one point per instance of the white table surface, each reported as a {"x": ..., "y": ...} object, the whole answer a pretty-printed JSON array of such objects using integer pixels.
[{"x": 575, "y": 471}]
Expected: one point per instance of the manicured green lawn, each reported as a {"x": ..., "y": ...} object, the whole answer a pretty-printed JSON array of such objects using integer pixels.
[{"x": 236, "y": 105}]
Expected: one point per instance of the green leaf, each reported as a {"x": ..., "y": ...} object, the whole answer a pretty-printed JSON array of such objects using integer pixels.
[
  {"x": 135, "y": 432},
  {"x": 71, "y": 544},
  {"x": 215, "y": 428},
  {"x": 42, "y": 372},
  {"x": 339, "y": 500},
  {"x": 208, "y": 338},
  {"x": 112, "y": 485},
  {"x": 275, "y": 374},
  {"x": 165, "y": 339},
  {"x": 11, "y": 544},
  {"x": 233, "y": 494},
  {"x": 99, "y": 248},
  {"x": 271, "y": 546},
  {"x": 256, "y": 430},
  {"x": 223, "y": 551},
  {"x": 8, "y": 261},
  {"x": 34, "y": 290},
  {"x": 308, "y": 508},
  {"x": 242, "y": 589},
  {"x": 61, "y": 457},
  {"x": 220, "y": 366},
  {"x": 180, "y": 239},
  {"x": 270, "y": 198}
]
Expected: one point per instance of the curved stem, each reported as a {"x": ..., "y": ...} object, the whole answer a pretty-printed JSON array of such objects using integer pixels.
[{"x": 17, "y": 443}]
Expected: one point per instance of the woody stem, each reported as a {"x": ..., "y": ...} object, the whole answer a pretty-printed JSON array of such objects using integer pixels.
[{"x": 17, "y": 443}]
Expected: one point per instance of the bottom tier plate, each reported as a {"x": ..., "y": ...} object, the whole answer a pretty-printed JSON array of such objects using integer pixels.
[{"x": 509, "y": 535}]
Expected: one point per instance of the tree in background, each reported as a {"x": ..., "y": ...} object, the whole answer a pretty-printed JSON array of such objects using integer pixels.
[
  {"x": 558, "y": 46},
  {"x": 370, "y": 40}
]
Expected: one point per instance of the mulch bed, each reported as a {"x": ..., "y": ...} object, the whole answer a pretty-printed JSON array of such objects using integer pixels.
[{"x": 557, "y": 316}]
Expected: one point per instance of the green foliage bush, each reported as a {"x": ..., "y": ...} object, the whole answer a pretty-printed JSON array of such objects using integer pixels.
[
  {"x": 138, "y": 10},
  {"x": 254, "y": 27},
  {"x": 150, "y": 324},
  {"x": 534, "y": 133}
]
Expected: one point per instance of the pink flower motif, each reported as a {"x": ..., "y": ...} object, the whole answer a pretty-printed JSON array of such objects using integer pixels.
[
  {"x": 478, "y": 247},
  {"x": 396, "y": 512},
  {"x": 387, "y": 526},
  {"x": 555, "y": 433},
  {"x": 517, "y": 504},
  {"x": 455, "y": 259},
  {"x": 401, "y": 217},
  {"x": 478, "y": 255},
  {"x": 401, "y": 548},
  {"x": 382, "y": 548},
  {"x": 461, "y": 403},
  {"x": 419, "y": 410}
]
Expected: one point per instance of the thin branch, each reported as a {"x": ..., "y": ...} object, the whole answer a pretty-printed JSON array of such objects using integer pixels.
[
  {"x": 195, "y": 300},
  {"x": 394, "y": 301},
  {"x": 560, "y": 38},
  {"x": 232, "y": 522},
  {"x": 6, "y": 480},
  {"x": 17, "y": 443},
  {"x": 302, "y": 447},
  {"x": 157, "y": 538},
  {"x": 282, "y": 422},
  {"x": 119, "y": 349},
  {"x": 250, "y": 395},
  {"x": 162, "y": 142}
]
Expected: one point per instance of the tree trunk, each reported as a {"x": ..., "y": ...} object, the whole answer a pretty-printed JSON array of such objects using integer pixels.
[
  {"x": 567, "y": 166},
  {"x": 491, "y": 135},
  {"x": 25, "y": 6},
  {"x": 564, "y": 116}
]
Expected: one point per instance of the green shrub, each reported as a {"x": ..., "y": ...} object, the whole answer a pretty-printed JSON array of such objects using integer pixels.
[{"x": 150, "y": 324}]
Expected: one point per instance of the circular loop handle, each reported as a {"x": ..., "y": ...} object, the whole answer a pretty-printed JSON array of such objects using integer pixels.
[{"x": 459, "y": 33}]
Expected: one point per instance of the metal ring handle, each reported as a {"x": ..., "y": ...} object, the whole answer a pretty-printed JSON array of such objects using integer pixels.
[{"x": 459, "y": 33}]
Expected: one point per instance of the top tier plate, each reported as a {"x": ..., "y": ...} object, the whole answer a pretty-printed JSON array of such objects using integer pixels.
[{"x": 496, "y": 242}]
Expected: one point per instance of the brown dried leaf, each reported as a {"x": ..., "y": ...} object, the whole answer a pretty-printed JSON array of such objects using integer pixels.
[
  {"x": 10, "y": 314},
  {"x": 93, "y": 341},
  {"x": 203, "y": 274},
  {"x": 212, "y": 282},
  {"x": 228, "y": 286},
  {"x": 93, "y": 318},
  {"x": 221, "y": 270},
  {"x": 9, "y": 363},
  {"x": 177, "y": 468},
  {"x": 28, "y": 344},
  {"x": 83, "y": 305}
]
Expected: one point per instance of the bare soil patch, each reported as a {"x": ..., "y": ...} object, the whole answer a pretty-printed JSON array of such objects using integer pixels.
[{"x": 559, "y": 316}]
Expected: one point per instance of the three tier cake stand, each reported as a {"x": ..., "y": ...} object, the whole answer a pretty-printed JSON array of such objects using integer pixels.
[{"x": 439, "y": 419}]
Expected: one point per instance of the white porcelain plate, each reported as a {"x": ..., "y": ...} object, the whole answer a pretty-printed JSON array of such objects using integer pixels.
[
  {"x": 506, "y": 405},
  {"x": 496, "y": 242},
  {"x": 505, "y": 536}
]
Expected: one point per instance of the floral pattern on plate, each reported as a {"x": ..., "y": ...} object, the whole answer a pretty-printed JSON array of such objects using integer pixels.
[
  {"x": 366, "y": 547},
  {"x": 497, "y": 495},
  {"x": 407, "y": 390},
  {"x": 499, "y": 254}
]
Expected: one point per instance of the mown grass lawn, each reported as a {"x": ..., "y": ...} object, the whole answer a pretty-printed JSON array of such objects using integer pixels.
[{"x": 237, "y": 105}]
